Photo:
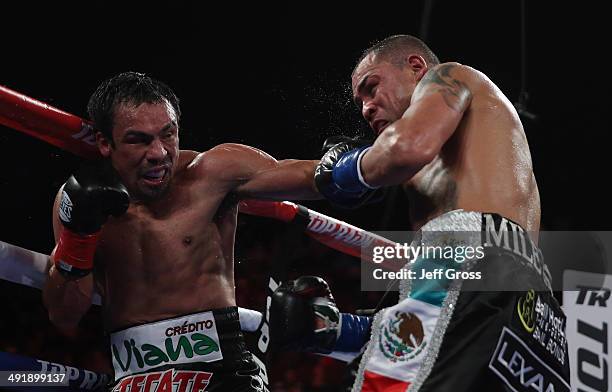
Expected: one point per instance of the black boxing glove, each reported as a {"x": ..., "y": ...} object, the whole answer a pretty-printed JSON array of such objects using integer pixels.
[
  {"x": 354, "y": 142},
  {"x": 338, "y": 174},
  {"x": 304, "y": 316},
  {"x": 88, "y": 198}
]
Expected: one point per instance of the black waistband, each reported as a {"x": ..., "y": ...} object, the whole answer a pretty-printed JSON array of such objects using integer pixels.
[
  {"x": 502, "y": 235},
  {"x": 231, "y": 341},
  {"x": 496, "y": 234},
  {"x": 501, "y": 232}
]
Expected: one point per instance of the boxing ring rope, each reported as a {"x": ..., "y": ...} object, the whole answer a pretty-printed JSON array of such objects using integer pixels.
[{"x": 47, "y": 123}]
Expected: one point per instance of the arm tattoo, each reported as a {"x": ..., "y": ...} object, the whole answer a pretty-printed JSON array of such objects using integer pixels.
[{"x": 453, "y": 91}]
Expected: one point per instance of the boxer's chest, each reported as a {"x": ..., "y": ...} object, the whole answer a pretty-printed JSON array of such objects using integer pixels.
[{"x": 431, "y": 190}]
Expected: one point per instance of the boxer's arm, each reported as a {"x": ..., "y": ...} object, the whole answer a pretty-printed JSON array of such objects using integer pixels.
[
  {"x": 406, "y": 146},
  {"x": 251, "y": 173},
  {"x": 66, "y": 299},
  {"x": 285, "y": 179}
]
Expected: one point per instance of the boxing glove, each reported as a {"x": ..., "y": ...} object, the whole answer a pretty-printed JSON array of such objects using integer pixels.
[
  {"x": 87, "y": 199},
  {"x": 338, "y": 175},
  {"x": 304, "y": 317}
]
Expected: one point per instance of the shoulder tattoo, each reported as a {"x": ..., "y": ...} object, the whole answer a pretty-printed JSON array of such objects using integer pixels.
[{"x": 455, "y": 93}]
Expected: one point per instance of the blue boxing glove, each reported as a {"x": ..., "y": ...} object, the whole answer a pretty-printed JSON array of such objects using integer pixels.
[
  {"x": 338, "y": 175},
  {"x": 354, "y": 333}
]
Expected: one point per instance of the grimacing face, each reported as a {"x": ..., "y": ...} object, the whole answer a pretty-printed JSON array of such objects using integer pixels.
[
  {"x": 382, "y": 91},
  {"x": 146, "y": 147}
]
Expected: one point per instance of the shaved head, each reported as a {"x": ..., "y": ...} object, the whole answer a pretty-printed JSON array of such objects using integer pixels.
[{"x": 395, "y": 49}]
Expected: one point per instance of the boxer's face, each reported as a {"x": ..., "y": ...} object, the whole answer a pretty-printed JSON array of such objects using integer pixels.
[
  {"x": 145, "y": 147},
  {"x": 382, "y": 91}
]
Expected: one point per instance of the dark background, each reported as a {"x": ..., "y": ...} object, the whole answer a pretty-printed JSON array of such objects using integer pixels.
[{"x": 277, "y": 78}]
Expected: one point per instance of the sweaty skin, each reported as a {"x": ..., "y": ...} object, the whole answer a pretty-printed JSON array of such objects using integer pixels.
[
  {"x": 172, "y": 252},
  {"x": 450, "y": 136}
]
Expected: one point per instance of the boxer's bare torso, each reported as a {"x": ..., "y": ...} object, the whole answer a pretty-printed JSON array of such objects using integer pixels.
[
  {"x": 171, "y": 257},
  {"x": 484, "y": 166},
  {"x": 171, "y": 253},
  {"x": 449, "y": 135}
]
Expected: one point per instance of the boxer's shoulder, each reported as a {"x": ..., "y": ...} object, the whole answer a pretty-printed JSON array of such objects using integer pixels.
[
  {"x": 228, "y": 160},
  {"x": 234, "y": 152},
  {"x": 187, "y": 163},
  {"x": 457, "y": 70},
  {"x": 187, "y": 156},
  {"x": 446, "y": 70},
  {"x": 225, "y": 163},
  {"x": 472, "y": 78},
  {"x": 458, "y": 78}
]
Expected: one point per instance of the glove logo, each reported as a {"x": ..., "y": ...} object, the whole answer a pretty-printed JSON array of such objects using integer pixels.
[
  {"x": 402, "y": 337},
  {"x": 65, "y": 208},
  {"x": 328, "y": 317}
]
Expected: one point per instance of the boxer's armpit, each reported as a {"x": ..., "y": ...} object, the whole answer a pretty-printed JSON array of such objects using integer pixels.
[{"x": 443, "y": 80}]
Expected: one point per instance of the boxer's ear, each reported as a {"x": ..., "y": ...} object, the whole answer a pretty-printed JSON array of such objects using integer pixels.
[
  {"x": 104, "y": 144},
  {"x": 418, "y": 65}
]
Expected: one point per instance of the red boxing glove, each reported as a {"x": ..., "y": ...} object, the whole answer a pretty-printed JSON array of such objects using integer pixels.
[{"x": 74, "y": 253}]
